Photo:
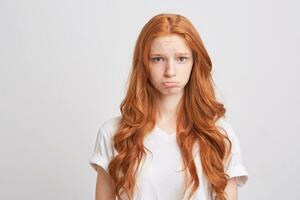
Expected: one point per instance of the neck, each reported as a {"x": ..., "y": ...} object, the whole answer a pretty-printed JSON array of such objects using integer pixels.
[{"x": 168, "y": 107}]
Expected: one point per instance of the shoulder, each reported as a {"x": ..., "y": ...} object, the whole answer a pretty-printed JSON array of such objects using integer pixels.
[
  {"x": 109, "y": 126},
  {"x": 226, "y": 128}
]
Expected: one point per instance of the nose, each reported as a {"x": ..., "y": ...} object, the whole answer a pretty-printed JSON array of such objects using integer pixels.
[{"x": 170, "y": 69}]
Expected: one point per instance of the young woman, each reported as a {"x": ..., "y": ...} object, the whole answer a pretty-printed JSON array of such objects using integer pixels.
[{"x": 171, "y": 141}]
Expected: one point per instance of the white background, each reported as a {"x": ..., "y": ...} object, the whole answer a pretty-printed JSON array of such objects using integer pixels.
[{"x": 63, "y": 71}]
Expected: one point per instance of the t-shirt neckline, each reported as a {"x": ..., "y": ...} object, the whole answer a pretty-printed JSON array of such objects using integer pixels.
[{"x": 164, "y": 133}]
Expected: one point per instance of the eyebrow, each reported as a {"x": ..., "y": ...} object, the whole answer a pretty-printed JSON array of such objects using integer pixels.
[{"x": 161, "y": 54}]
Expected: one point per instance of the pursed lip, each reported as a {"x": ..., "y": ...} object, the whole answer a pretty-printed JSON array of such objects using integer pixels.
[{"x": 170, "y": 84}]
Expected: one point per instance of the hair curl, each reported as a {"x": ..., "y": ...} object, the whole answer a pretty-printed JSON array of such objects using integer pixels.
[{"x": 196, "y": 123}]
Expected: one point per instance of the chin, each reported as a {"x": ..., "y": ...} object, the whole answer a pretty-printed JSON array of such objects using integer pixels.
[{"x": 173, "y": 91}]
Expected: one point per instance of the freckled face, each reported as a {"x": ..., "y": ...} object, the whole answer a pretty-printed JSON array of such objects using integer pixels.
[{"x": 170, "y": 64}]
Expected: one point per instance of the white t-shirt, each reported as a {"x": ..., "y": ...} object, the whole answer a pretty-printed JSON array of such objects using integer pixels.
[{"x": 159, "y": 176}]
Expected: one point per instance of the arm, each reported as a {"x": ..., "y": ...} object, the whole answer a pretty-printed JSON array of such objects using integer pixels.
[
  {"x": 231, "y": 191},
  {"x": 104, "y": 185}
]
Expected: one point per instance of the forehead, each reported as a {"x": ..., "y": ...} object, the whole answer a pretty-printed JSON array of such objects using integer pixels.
[{"x": 170, "y": 43}]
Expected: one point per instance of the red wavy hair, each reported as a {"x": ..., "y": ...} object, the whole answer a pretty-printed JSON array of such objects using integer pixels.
[{"x": 196, "y": 123}]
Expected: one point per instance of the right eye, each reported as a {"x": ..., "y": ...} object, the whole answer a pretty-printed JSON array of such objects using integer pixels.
[{"x": 157, "y": 59}]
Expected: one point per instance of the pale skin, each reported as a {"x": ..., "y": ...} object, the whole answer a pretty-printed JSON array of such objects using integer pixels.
[
  {"x": 170, "y": 60},
  {"x": 104, "y": 185}
]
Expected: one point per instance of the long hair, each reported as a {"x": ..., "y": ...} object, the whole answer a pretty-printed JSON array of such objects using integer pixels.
[{"x": 196, "y": 122}]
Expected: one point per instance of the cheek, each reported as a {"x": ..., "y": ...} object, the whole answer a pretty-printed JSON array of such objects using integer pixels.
[
  {"x": 186, "y": 71},
  {"x": 155, "y": 74}
]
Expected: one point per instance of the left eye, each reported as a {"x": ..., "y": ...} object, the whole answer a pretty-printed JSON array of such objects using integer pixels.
[{"x": 182, "y": 58}]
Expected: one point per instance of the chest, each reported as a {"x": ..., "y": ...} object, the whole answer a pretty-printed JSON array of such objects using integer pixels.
[{"x": 161, "y": 174}]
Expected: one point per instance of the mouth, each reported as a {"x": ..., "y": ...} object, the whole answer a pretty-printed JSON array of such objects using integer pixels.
[{"x": 170, "y": 84}]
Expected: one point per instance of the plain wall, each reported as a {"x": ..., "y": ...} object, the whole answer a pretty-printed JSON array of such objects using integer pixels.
[{"x": 64, "y": 67}]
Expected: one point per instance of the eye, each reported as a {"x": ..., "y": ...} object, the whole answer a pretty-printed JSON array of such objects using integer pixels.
[
  {"x": 182, "y": 58},
  {"x": 157, "y": 59}
]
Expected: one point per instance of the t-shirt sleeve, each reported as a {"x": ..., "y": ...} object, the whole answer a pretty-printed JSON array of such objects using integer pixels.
[
  {"x": 234, "y": 166},
  {"x": 103, "y": 150}
]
